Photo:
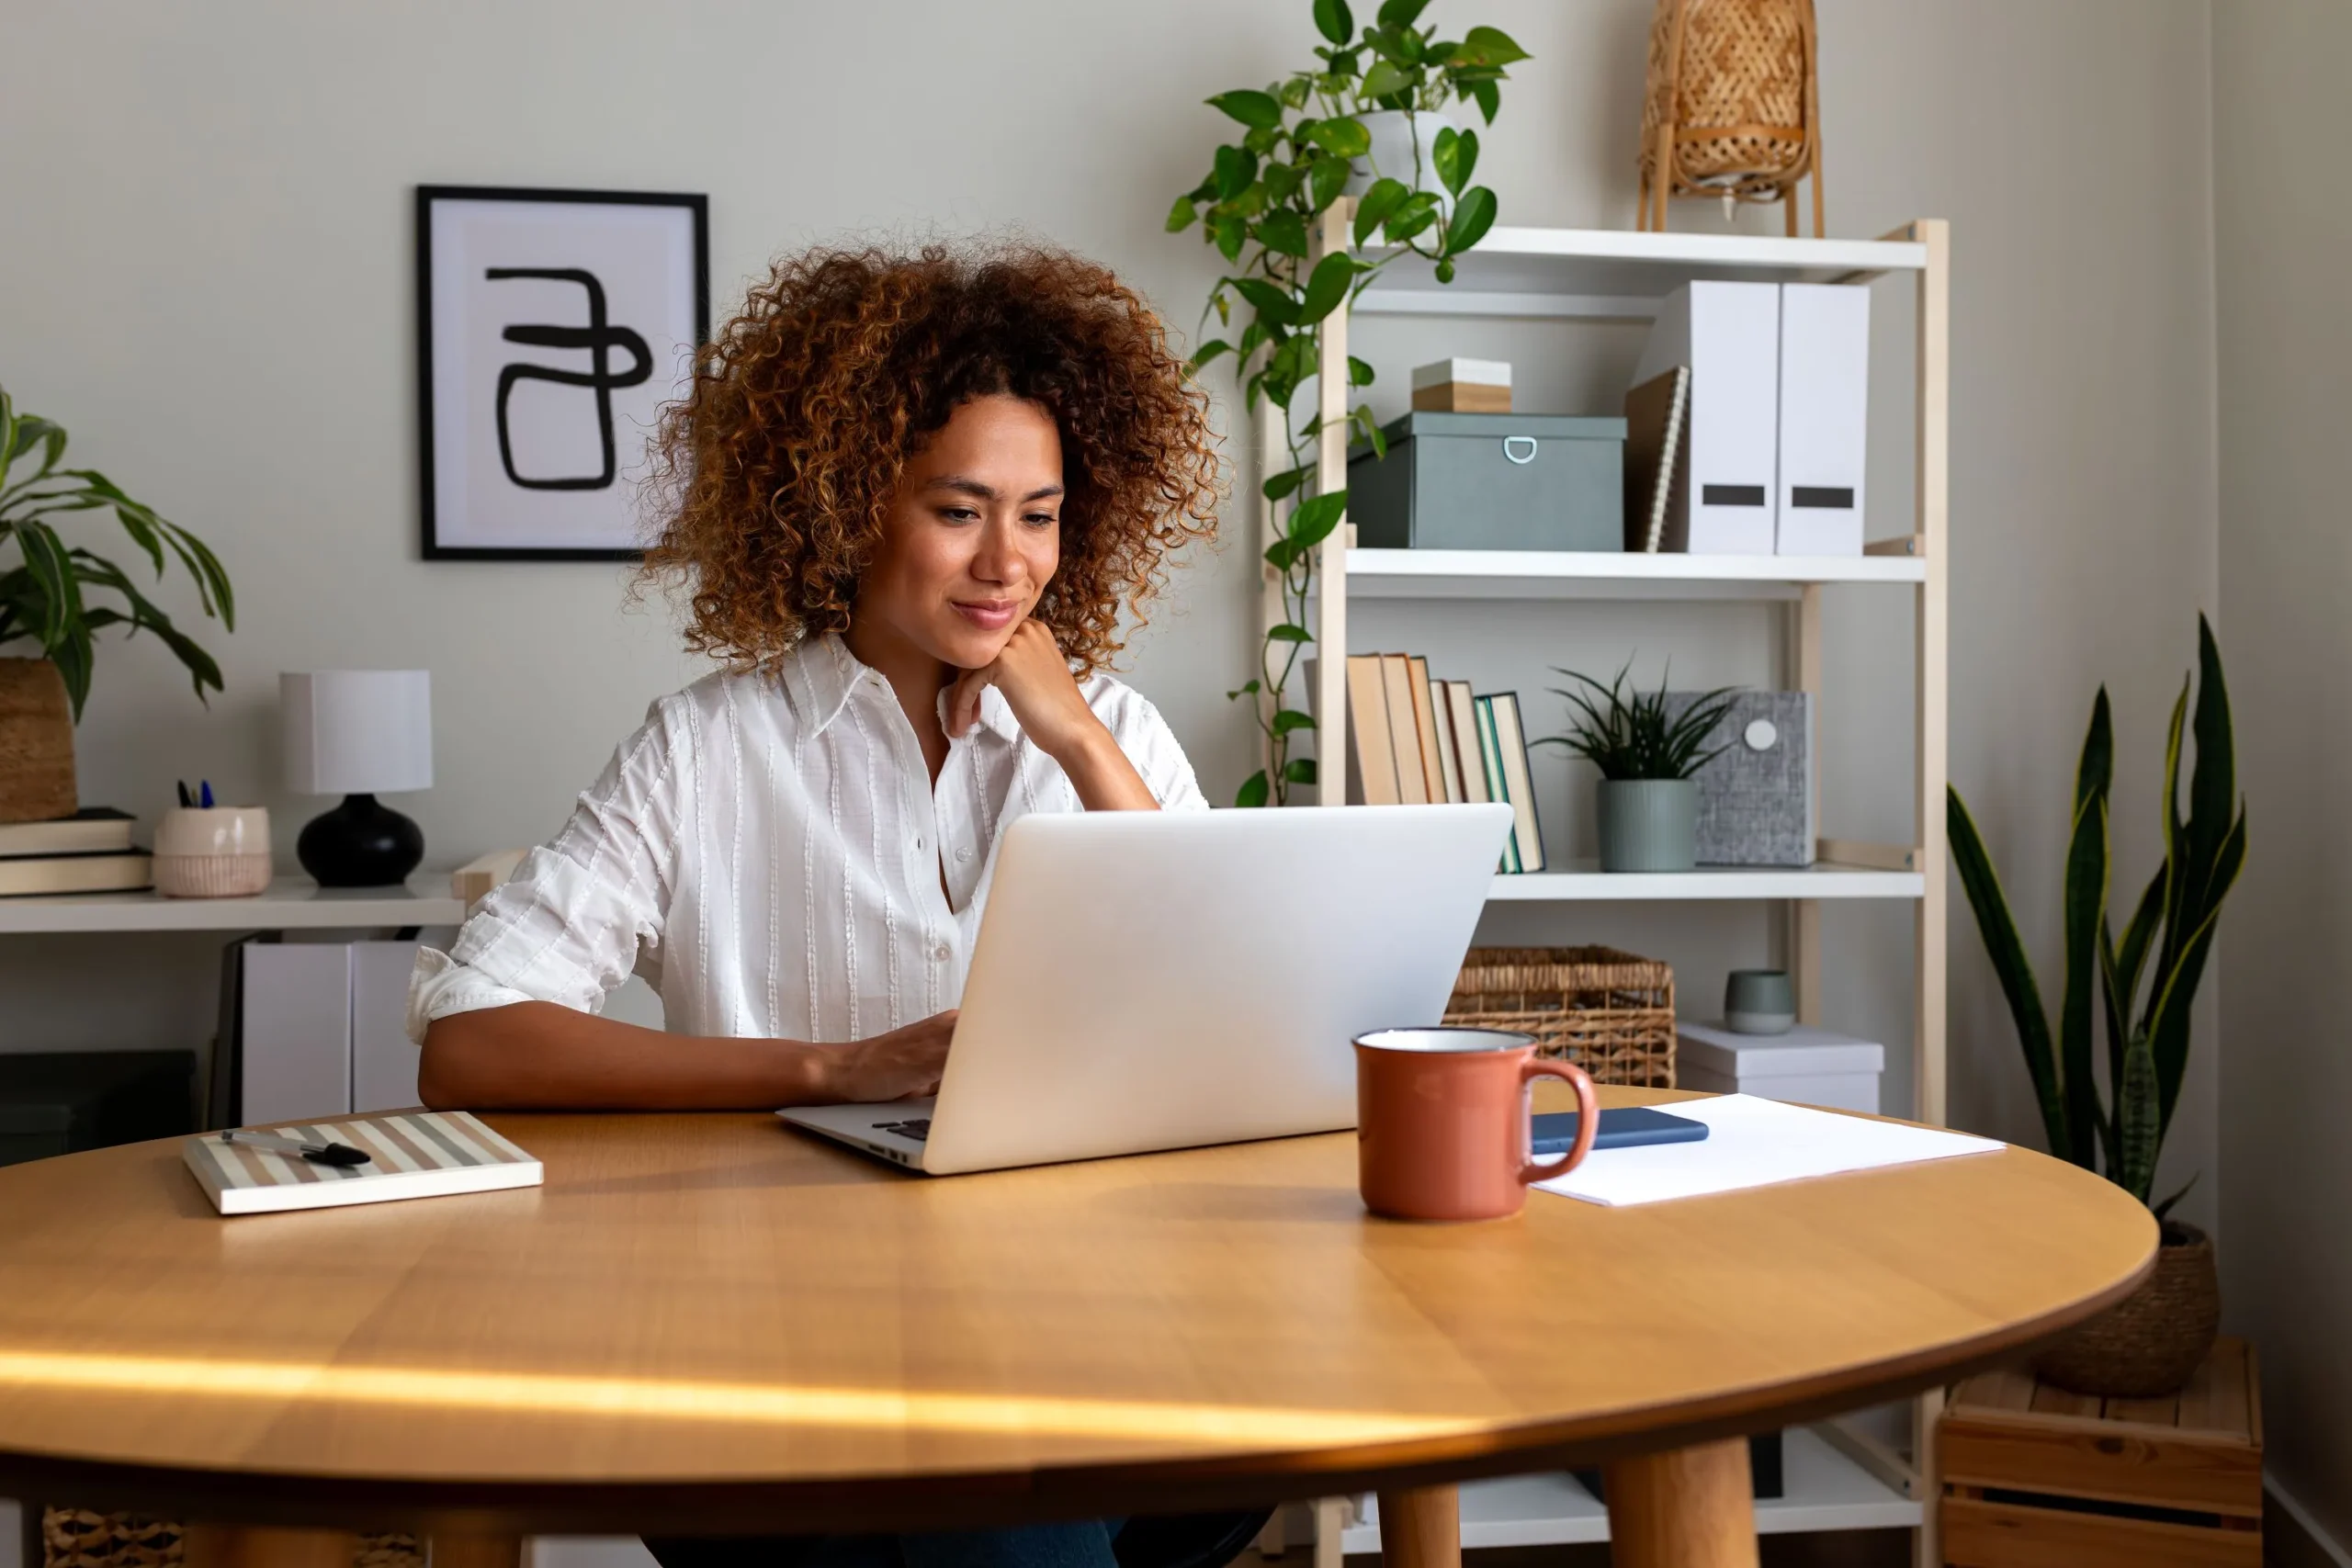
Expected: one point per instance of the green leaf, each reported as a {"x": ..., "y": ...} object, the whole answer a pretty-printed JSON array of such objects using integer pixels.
[
  {"x": 1282, "y": 231},
  {"x": 1359, "y": 372},
  {"x": 1401, "y": 13},
  {"x": 2084, "y": 912},
  {"x": 1289, "y": 719},
  {"x": 1282, "y": 181},
  {"x": 1294, "y": 92},
  {"x": 1181, "y": 215},
  {"x": 1253, "y": 792},
  {"x": 1455, "y": 155},
  {"x": 2164, "y": 1209},
  {"x": 1235, "y": 167},
  {"x": 1258, "y": 110},
  {"x": 1326, "y": 177},
  {"x": 1490, "y": 46},
  {"x": 1282, "y": 554},
  {"x": 2169, "y": 1019},
  {"x": 1229, "y": 235},
  {"x": 1208, "y": 352},
  {"x": 1271, "y": 302},
  {"x": 1473, "y": 216},
  {"x": 1413, "y": 215},
  {"x": 1299, "y": 770},
  {"x": 2212, "y": 783},
  {"x": 2010, "y": 965},
  {"x": 1375, "y": 206},
  {"x": 1327, "y": 288},
  {"x": 1282, "y": 484},
  {"x": 1444, "y": 269},
  {"x": 1333, "y": 20},
  {"x": 1260, "y": 139},
  {"x": 1246, "y": 689},
  {"x": 1344, "y": 137},
  {"x": 1488, "y": 97},
  {"x": 1384, "y": 80},
  {"x": 53, "y": 575},
  {"x": 1289, "y": 632},
  {"x": 1316, "y": 517},
  {"x": 1372, "y": 431},
  {"x": 2140, "y": 1130}
]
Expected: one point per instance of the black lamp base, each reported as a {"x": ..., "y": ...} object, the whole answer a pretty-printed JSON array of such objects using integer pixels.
[{"x": 360, "y": 844}]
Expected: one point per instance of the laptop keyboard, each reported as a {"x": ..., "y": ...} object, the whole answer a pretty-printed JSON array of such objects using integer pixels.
[{"x": 918, "y": 1129}]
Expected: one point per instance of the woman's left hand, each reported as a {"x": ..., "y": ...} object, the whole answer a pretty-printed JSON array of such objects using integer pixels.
[{"x": 1035, "y": 677}]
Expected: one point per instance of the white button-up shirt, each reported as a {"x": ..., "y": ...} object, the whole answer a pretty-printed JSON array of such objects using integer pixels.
[{"x": 767, "y": 852}]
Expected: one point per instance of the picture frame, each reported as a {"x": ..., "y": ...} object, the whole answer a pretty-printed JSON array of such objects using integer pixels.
[{"x": 551, "y": 327}]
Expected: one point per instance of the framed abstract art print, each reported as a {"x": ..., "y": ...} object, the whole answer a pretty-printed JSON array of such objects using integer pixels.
[{"x": 552, "y": 325}]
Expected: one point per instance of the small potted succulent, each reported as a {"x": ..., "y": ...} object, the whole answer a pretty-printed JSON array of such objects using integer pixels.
[
  {"x": 1650, "y": 750},
  {"x": 2150, "y": 1344}
]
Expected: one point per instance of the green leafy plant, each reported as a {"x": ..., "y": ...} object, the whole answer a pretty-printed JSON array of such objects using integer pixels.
[
  {"x": 1262, "y": 199},
  {"x": 2165, "y": 942},
  {"x": 1634, "y": 734},
  {"x": 45, "y": 597}
]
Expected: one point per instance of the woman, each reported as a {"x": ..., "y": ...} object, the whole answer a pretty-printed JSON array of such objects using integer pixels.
[{"x": 912, "y": 497}]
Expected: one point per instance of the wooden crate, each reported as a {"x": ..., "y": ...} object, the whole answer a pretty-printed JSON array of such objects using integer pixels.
[{"x": 2036, "y": 1477}]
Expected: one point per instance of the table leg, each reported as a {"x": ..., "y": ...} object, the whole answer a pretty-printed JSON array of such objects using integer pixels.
[
  {"x": 476, "y": 1551},
  {"x": 1687, "y": 1508},
  {"x": 1421, "y": 1527},
  {"x": 247, "y": 1546}
]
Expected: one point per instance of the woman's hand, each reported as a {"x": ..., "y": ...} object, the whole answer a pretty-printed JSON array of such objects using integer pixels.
[
  {"x": 905, "y": 1063},
  {"x": 1035, "y": 677}
]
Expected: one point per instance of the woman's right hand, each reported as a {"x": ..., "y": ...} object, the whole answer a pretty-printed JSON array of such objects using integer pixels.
[{"x": 905, "y": 1063}]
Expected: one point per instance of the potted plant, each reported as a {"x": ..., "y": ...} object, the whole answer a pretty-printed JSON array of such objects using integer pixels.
[
  {"x": 45, "y": 599},
  {"x": 1307, "y": 141},
  {"x": 2151, "y": 1343},
  {"x": 1649, "y": 752}
]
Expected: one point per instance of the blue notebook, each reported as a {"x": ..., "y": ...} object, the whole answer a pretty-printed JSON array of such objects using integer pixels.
[{"x": 1555, "y": 1131}]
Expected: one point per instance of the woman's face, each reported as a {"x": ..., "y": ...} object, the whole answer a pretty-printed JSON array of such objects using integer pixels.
[{"x": 972, "y": 535}]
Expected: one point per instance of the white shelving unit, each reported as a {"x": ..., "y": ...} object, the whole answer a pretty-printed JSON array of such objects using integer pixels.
[
  {"x": 291, "y": 902},
  {"x": 1839, "y": 1477}
]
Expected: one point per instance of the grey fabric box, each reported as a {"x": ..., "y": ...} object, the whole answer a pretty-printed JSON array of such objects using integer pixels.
[
  {"x": 1491, "y": 481},
  {"x": 1756, "y": 804}
]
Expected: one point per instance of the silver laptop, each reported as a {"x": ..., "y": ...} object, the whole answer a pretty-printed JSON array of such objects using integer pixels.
[{"x": 1160, "y": 980}]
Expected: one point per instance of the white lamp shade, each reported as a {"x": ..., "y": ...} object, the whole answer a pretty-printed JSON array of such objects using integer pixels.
[{"x": 358, "y": 731}]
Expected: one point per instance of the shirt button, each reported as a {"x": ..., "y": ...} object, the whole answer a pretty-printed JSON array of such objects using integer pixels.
[
  {"x": 918, "y": 841},
  {"x": 963, "y": 855},
  {"x": 943, "y": 953}
]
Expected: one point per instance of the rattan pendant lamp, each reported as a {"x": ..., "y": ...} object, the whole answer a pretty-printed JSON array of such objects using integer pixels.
[{"x": 1732, "y": 107}]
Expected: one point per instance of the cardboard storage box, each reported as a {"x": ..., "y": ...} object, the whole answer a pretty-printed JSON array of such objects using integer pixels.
[
  {"x": 1491, "y": 481},
  {"x": 1807, "y": 1065}
]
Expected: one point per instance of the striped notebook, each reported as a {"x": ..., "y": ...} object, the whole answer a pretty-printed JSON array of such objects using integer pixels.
[{"x": 416, "y": 1154}]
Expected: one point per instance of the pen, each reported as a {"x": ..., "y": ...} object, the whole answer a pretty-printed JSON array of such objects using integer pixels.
[
  {"x": 318, "y": 1154},
  {"x": 206, "y": 786}
]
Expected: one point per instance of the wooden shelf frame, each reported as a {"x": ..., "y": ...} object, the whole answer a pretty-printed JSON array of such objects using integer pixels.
[{"x": 1615, "y": 276}]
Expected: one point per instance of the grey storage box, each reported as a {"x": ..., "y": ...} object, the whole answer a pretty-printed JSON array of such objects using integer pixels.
[{"x": 1491, "y": 481}]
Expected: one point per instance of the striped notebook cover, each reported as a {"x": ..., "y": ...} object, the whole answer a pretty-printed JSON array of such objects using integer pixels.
[{"x": 416, "y": 1154}]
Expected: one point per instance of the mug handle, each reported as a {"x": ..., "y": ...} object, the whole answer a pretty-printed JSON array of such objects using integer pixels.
[{"x": 1587, "y": 1117}]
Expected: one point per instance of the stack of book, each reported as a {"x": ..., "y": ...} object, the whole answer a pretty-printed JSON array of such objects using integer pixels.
[
  {"x": 1420, "y": 741},
  {"x": 89, "y": 852}
]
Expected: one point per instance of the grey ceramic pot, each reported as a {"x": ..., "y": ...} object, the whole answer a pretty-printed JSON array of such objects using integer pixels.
[{"x": 1648, "y": 824}]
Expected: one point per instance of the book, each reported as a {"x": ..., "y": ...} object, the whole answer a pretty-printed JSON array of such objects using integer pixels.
[
  {"x": 1657, "y": 460},
  {"x": 92, "y": 830},
  {"x": 1448, "y": 757},
  {"x": 420, "y": 1154},
  {"x": 1404, "y": 730},
  {"x": 1441, "y": 792},
  {"x": 1464, "y": 726},
  {"x": 1498, "y": 787},
  {"x": 26, "y": 876},
  {"x": 1511, "y": 743},
  {"x": 1375, "y": 758}
]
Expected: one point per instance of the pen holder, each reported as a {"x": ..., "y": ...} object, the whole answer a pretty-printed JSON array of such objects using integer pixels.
[{"x": 220, "y": 852}]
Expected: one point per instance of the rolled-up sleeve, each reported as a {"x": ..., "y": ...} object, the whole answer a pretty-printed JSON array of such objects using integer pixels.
[
  {"x": 1152, "y": 747},
  {"x": 571, "y": 924}
]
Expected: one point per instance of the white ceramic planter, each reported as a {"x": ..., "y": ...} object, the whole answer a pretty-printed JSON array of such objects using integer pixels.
[
  {"x": 1648, "y": 824},
  {"x": 1394, "y": 135},
  {"x": 220, "y": 852}
]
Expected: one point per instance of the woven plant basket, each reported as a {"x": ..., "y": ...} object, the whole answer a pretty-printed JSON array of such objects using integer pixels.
[
  {"x": 1610, "y": 1013},
  {"x": 1732, "y": 106},
  {"x": 36, "y": 742},
  {"x": 76, "y": 1537},
  {"x": 2151, "y": 1343}
]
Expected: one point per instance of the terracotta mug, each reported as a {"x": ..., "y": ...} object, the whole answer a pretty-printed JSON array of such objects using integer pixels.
[{"x": 1443, "y": 1122}]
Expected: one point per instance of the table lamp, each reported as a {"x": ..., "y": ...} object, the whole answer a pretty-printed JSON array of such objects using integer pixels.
[{"x": 354, "y": 733}]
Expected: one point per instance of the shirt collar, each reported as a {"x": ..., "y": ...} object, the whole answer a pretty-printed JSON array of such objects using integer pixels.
[{"x": 819, "y": 674}]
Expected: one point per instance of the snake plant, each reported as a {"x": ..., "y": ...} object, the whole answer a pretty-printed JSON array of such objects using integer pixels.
[
  {"x": 42, "y": 597},
  {"x": 2165, "y": 942}
]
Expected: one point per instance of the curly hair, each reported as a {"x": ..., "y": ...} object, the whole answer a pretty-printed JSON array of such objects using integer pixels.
[{"x": 774, "y": 471}]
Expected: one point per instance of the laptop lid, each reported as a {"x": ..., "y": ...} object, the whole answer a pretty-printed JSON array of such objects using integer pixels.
[{"x": 1157, "y": 980}]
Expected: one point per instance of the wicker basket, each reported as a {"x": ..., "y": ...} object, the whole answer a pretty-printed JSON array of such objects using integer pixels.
[
  {"x": 1731, "y": 107},
  {"x": 76, "y": 1537},
  {"x": 1610, "y": 1012}
]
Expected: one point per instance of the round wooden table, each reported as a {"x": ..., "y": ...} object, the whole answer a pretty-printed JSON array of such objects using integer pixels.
[{"x": 710, "y": 1324}]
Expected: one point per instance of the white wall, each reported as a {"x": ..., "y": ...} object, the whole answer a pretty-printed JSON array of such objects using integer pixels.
[
  {"x": 2285, "y": 383},
  {"x": 207, "y": 249}
]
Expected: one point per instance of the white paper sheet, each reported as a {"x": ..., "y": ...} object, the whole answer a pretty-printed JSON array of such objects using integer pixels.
[{"x": 1754, "y": 1142}]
